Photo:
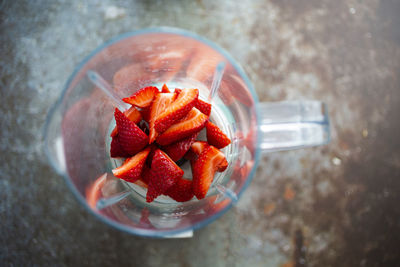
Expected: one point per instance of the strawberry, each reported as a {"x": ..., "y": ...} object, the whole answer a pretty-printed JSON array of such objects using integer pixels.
[
  {"x": 177, "y": 110},
  {"x": 178, "y": 91},
  {"x": 143, "y": 97},
  {"x": 209, "y": 161},
  {"x": 160, "y": 103},
  {"x": 133, "y": 114},
  {"x": 131, "y": 170},
  {"x": 164, "y": 173},
  {"x": 181, "y": 191},
  {"x": 203, "y": 106},
  {"x": 176, "y": 150},
  {"x": 146, "y": 113},
  {"x": 165, "y": 89},
  {"x": 192, "y": 123},
  {"x": 215, "y": 136},
  {"x": 116, "y": 149},
  {"x": 196, "y": 149},
  {"x": 131, "y": 137},
  {"x": 145, "y": 176}
]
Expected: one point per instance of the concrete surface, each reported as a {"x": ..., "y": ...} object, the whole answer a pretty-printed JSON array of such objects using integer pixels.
[{"x": 336, "y": 205}]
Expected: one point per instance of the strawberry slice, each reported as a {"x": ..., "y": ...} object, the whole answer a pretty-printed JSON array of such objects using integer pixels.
[
  {"x": 143, "y": 97},
  {"x": 179, "y": 108},
  {"x": 165, "y": 89},
  {"x": 164, "y": 173},
  {"x": 209, "y": 161},
  {"x": 215, "y": 136},
  {"x": 178, "y": 149},
  {"x": 116, "y": 149},
  {"x": 203, "y": 106},
  {"x": 132, "y": 168},
  {"x": 196, "y": 149},
  {"x": 146, "y": 113},
  {"x": 131, "y": 137},
  {"x": 133, "y": 114},
  {"x": 178, "y": 91},
  {"x": 160, "y": 103},
  {"x": 145, "y": 176},
  {"x": 192, "y": 123},
  {"x": 181, "y": 191}
]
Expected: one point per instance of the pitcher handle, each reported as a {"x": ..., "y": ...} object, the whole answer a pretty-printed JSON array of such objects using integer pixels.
[{"x": 293, "y": 124}]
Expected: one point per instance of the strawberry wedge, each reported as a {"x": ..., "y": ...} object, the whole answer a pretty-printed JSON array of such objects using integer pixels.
[
  {"x": 181, "y": 191},
  {"x": 179, "y": 109},
  {"x": 133, "y": 114},
  {"x": 143, "y": 97},
  {"x": 209, "y": 161},
  {"x": 203, "y": 106},
  {"x": 131, "y": 138},
  {"x": 164, "y": 173},
  {"x": 192, "y": 123},
  {"x": 160, "y": 103},
  {"x": 195, "y": 150},
  {"x": 215, "y": 136},
  {"x": 178, "y": 149},
  {"x": 165, "y": 89},
  {"x": 116, "y": 148},
  {"x": 132, "y": 168}
]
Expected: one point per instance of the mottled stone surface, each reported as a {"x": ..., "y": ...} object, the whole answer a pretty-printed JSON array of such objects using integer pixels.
[{"x": 336, "y": 205}]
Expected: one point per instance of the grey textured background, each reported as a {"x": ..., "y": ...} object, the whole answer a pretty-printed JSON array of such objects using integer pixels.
[{"x": 336, "y": 205}]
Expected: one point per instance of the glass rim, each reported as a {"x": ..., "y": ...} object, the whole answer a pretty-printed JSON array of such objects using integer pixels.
[{"x": 82, "y": 200}]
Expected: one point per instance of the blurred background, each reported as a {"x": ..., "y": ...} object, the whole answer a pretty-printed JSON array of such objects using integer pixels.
[{"x": 336, "y": 205}]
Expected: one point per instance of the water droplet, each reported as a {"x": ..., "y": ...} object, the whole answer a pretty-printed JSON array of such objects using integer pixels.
[{"x": 352, "y": 10}]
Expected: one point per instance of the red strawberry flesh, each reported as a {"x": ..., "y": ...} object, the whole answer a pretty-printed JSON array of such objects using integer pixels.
[
  {"x": 143, "y": 97},
  {"x": 132, "y": 168},
  {"x": 131, "y": 137},
  {"x": 165, "y": 89},
  {"x": 164, "y": 174},
  {"x": 116, "y": 148},
  {"x": 215, "y": 136},
  {"x": 209, "y": 161},
  {"x": 203, "y": 106},
  {"x": 177, "y": 110},
  {"x": 181, "y": 191},
  {"x": 192, "y": 123},
  {"x": 133, "y": 114},
  {"x": 160, "y": 103},
  {"x": 178, "y": 149}
]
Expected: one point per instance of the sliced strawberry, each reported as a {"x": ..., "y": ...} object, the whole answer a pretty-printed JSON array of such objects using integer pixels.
[
  {"x": 131, "y": 170},
  {"x": 178, "y": 149},
  {"x": 153, "y": 149},
  {"x": 143, "y": 97},
  {"x": 192, "y": 123},
  {"x": 163, "y": 175},
  {"x": 131, "y": 138},
  {"x": 133, "y": 114},
  {"x": 165, "y": 89},
  {"x": 215, "y": 136},
  {"x": 146, "y": 113},
  {"x": 181, "y": 191},
  {"x": 179, "y": 109},
  {"x": 160, "y": 103},
  {"x": 145, "y": 176},
  {"x": 116, "y": 148},
  {"x": 203, "y": 106},
  {"x": 178, "y": 91},
  {"x": 209, "y": 161},
  {"x": 196, "y": 149}
]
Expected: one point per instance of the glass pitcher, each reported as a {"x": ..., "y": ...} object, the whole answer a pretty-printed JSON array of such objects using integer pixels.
[{"x": 77, "y": 130}]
